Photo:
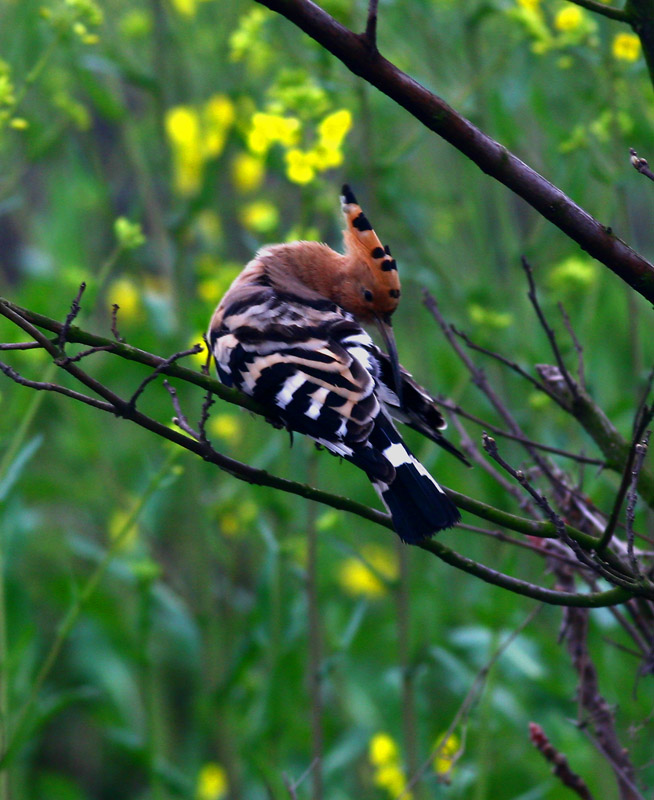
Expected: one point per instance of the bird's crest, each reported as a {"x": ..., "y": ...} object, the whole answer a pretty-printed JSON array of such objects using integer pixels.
[{"x": 367, "y": 253}]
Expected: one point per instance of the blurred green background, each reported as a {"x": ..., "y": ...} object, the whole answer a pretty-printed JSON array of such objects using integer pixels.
[{"x": 184, "y": 671}]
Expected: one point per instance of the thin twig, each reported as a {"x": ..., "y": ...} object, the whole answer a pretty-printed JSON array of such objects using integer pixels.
[
  {"x": 70, "y": 317},
  {"x": 20, "y": 346},
  {"x": 640, "y": 164},
  {"x": 632, "y": 496},
  {"x": 533, "y": 297},
  {"x": 643, "y": 417},
  {"x": 114, "y": 323},
  {"x": 560, "y": 767},
  {"x": 45, "y": 386},
  {"x": 456, "y": 409},
  {"x": 158, "y": 370},
  {"x": 371, "y": 25},
  {"x": 472, "y": 697},
  {"x": 180, "y": 420},
  {"x": 512, "y": 365},
  {"x": 579, "y": 350},
  {"x": 83, "y": 354}
]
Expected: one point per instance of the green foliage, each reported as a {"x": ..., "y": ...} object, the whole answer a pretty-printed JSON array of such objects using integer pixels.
[{"x": 153, "y": 637}]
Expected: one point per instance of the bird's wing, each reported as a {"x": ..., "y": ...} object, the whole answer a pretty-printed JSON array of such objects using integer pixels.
[{"x": 305, "y": 362}]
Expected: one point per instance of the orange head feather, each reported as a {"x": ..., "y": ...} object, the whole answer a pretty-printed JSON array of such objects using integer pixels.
[{"x": 370, "y": 284}]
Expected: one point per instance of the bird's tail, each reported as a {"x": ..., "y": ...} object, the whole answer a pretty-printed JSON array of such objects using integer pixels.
[{"x": 418, "y": 505}]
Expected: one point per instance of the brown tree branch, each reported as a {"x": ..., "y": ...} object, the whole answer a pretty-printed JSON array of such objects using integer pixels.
[
  {"x": 617, "y": 14},
  {"x": 560, "y": 766},
  {"x": 490, "y": 156}
]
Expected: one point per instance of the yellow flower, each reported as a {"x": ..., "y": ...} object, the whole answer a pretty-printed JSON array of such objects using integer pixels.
[
  {"x": 212, "y": 782},
  {"x": 19, "y": 124},
  {"x": 127, "y": 297},
  {"x": 361, "y": 579},
  {"x": 226, "y": 427},
  {"x": 447, "y": 753},
  {"x": 382, "y": 749},
  {"x": 626, "y": 47},
  {"x": 300, "y": 165},
  {"x": 325, "y": 157},
  {"x": 247, "y": 172},
  {"x": 530, "y": 5},
  {"x": 183, "y": 126},
  {"x": 573, "y": 273},
  {"x": 218, "y": 117},
  {"x": 391, "y": 778},
  {"x": 260, "y": 216},
  {"x": 267, "y": 129},
  {"x": 481, "y": 315},
  {"x": 568, "y": 19},
  {"x": 186, "y": 8},
  {"x": 334, "y": 128}
]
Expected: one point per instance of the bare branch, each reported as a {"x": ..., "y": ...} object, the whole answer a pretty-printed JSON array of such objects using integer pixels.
[
  {"x": 618, "y": 14},
  {"x": 74, "y": 311},
  {"x": 371, "y": 25},
  {"x": 114, "y": 322},
  {"x": 180, "y": 420},
  {"x": 161, "y": 368},
  {"x": 20, "y": 346},
  {"x": 640, "y": 164},
  {"x": 632, "y": 496},
  {"x": 560, "y": 767},
  {"x": 581, "y": 373},
  {"x": 533, "y": 297},
  {"x": 53, "y": 387}
]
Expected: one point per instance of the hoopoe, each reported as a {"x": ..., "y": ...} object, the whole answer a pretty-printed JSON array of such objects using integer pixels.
[{"x": 288, "y": 332}]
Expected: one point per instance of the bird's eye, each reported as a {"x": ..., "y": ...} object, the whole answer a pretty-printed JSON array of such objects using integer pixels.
[{"x": 367, "y": 295}]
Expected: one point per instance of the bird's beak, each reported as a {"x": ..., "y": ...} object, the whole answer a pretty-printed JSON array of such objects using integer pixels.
[{"x": 386, "y": 330}]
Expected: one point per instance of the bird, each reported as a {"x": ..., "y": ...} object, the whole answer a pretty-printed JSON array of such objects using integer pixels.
[{"x": 289, "y": 333}]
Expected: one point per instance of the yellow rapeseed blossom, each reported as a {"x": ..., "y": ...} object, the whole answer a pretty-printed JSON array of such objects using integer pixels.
[
  {"x": 325, "y": 157},
  {"x": 19, "y": 123},
  {"x": 573, "y": 273},
  {"x": 186, "y": 8},
  {"x": 183, "y": 126},
  {"x": 211, "y": 783},
  {"x": 626, "y": 47},
  {"x": 226, "y": 427},
  {"x": 446, "y": 753},
  {"x": 300, "y": 165},
  {"x": 568, "y": 19},
  {"x": 530, "y": 5},
  {"x": 385, "y": 759},
  {"x": 382, "y": 749},
  {"x": 197, "y": 136},
  {"x": 218, "y": 117},
  {"x": 268, "y": 129},
  {"x": 360, "y": 579},
  {"x": 488, "y": 317},
  {"x": 127, "y": 297},
  {"x": 334, "y": 128},
  {"x": 247, "y": 172},
  {"x": 261, "y": 216}
]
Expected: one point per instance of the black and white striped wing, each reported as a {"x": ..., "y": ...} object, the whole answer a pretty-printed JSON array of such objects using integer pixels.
[{"x": 308, "y": 365}]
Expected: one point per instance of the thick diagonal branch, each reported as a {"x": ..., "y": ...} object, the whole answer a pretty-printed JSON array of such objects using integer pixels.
[{"x": 490, "y": 156}]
